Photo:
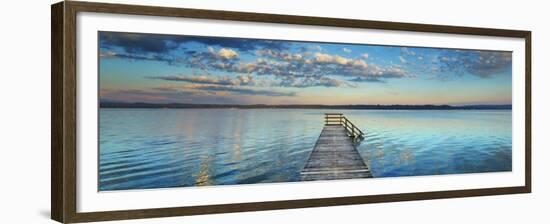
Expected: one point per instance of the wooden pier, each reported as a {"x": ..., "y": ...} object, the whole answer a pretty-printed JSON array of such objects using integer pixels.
[{"x": 334, "y": 155}]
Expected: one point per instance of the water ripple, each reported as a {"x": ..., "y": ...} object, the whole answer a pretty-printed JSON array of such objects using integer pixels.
[{"x": 142, "y": 149}]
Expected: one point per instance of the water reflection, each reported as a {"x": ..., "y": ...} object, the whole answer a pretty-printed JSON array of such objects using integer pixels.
[
  {"x": 142, "y": 148},
  {"x": 203, "y": 177}
]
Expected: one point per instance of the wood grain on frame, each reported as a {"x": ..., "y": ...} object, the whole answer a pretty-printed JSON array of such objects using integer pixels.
[
  {"x": 63, "y": 118},
  {"x": 57, "y": 167}
]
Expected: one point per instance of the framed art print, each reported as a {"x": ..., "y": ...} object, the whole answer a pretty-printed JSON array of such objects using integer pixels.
[{"x": 166, "y": 111}]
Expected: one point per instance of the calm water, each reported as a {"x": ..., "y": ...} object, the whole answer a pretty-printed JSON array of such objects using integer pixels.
[{"x": 156, "y": 148}]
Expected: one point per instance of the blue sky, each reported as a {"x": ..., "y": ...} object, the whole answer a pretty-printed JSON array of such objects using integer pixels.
[{"x": 156, "y": 68}]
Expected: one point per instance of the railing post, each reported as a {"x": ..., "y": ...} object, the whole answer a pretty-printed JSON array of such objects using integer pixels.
[
  {"x": 345, "y": 124},
  {"x": 351, "y": 129}
]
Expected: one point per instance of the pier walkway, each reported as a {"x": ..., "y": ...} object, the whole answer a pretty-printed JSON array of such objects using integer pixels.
[{"x": 334, "y": 155}]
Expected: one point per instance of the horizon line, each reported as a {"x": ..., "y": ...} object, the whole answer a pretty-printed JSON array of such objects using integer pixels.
[{"x": 263, "y": 104}]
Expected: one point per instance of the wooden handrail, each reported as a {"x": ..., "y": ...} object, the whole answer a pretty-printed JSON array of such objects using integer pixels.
[{"x": 340, "y": 119}]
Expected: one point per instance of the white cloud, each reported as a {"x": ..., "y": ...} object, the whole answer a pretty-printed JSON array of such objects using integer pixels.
[
  {"x": 359, "y": 64},
  {"x": 224, "y": 53},
  {"x": 408, "y": 52},
  {"x": 336, "y": 59},
  {"x": 483, "y": 64},
  {"x": 107, "y": 54},
  {"x": 227, "y": 53},
  {"x": 341, "y": 60},
  {"x": 389, "y": 72},
  {"x": 246, "y": 79},
  {"x": 365, "y": 55},
  {"x": 323, "y": 58},
  {"x": 346, "y": 50},
  {"x": 279, "y": 55},
  {"x": 240, "y": 80},
  {"x": 298, "y": 70},
  {"x": 402, "y": 59}
]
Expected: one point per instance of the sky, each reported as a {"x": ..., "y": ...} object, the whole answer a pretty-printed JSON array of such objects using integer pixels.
[{"x": 158, "y": 68}]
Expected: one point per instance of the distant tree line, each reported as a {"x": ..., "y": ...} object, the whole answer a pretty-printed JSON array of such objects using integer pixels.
[{"x": 304, "y": 106}]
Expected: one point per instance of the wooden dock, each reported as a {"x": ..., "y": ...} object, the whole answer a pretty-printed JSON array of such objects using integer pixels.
[{"x": 334, "y": 155}]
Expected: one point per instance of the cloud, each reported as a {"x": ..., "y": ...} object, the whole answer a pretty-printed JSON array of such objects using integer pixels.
[
  {"x": 381, "y": 74},
  {"x": 162, "y": 43},
  {"x": 136, "y": 57},
  {"x": 249, "y": 80},
  {"x": 107, "y": 54},
  {"x": 402, "y": 60},
  {"x": 369, "y": 79},
  {"x": 246, "y": 80},
  {"x": 279, "y": 55},
  {"x": 365, "y": 56},
  {"x": 227, "y": 84},
  {"x": 388, "y": 72},
  {"x": 192, "y": 93},
  {"x": 346, "y": 50},
  {"x": 312, "y": 81},
  {"x": 154, "y": 95},
  {"x": 336, "y": 59},
  {"x": 284, "y": 68},
  {"x": 242, "y": 44},
  {"x": 324, "y": 58},
  {"x": 358, "y": 64},
  {"x": 140, "y": 43},
  {"x": 317, "y": 48},
  {"x": 408, "y": 52},
  {"x": 483, "y": 64},
  {"x": 197, "y": 79},
  {"x": 242, "y": 91},
  {"x": 241, "y": 80},
  {"x": 452, "y": 63},
  {"x": 228, "y": 54},
  {"x": 330, "y": 82},
  {"x": 297, "y": 70}
]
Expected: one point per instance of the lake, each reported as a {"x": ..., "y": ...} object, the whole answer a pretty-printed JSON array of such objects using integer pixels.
[{"x": 159, "y": 148}]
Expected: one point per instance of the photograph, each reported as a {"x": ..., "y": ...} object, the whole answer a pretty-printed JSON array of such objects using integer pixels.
[{"x": 191, "y": 111}]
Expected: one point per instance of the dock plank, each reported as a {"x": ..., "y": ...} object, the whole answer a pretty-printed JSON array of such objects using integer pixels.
[{"x": 334, "y": 157}]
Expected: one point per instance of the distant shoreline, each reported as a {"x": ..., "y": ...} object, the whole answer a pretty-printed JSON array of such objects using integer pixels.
[{"x": 264, "y": 106}]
